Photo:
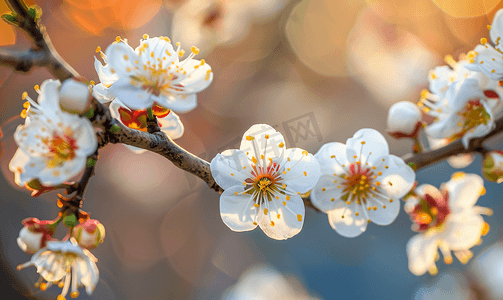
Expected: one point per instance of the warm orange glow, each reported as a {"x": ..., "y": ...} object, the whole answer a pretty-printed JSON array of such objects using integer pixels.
[
  {"x": 8, "y": 37},
  {"x": 466, "y": 8}
]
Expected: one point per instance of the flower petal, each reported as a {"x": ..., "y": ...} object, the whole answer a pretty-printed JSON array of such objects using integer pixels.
[
  {"x": 385, "y": 213},
  {"x": 461, "y": 161},
  {"x": 178, "y": 102},
  {"x": 304, "y": 170},
  {"x": 367, "y": 145},
  {"x": 344, "y": 220},
  {"x": 132, "y": 96},
  {"x": 331, "y": 157},
  {"x": 104, "y": 73},
  {"x": 463, "y": 231},
  {"x": 120, "y": 57},
  {"x": 496, "y": 31},
  {"x": 254, "y": 142},
  {"x": 325, "y": 195},
  {"x": 237, "y": 211},
  {"x": 398, "y": 179},
  {"x": 230, "y": 168},
  {"x": 283, "y": 221},
  {"x": 171, "y": 125},
  {"x": 483, "y": 62},
  {"x": 422, "y": 250},
  {"x": 200, "y": 76},
  {"x": 464, "y": 191},
  {"x": 102, "y": 93}
]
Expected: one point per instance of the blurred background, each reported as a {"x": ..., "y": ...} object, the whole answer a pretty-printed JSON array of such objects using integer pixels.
[{"x": 316, "y": 70}]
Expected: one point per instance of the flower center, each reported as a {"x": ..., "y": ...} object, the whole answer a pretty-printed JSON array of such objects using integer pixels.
[
  {"x": 264, "y": 183},
  {"x": 61, "y": 148},
  {"x": 430, "y": 212},
  {"x": 475, "y": 114},
  {"x": 357, "y": 182}
]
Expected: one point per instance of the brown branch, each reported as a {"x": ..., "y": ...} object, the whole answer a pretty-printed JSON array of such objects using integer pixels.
[{"x": 42, "y": 54}]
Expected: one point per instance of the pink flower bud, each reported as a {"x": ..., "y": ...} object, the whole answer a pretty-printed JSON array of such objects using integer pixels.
[
  {"x": 89, "y": 234},
  {"x": 404, "y": 120},
  {"x": 492, "y": 166},
  {"x": 75, "y": 96},
  {"x": 35, "y": 234}
]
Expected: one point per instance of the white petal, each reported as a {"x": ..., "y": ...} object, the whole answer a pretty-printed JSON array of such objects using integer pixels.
[
  {"x": 25, "y": 167},
  {"x": 497, "y": 27},
  {"x": 105, "y": 75},
  {"x": 178, "y": 102},
  {"x": 486, "y": 53},
  {"x": 445, "y": 127},
  {"x": 464, "y": 191},
  {"x": 460, "y": 92},
  {"x": 463, "y": 231},
  {"x": 160, "y": 49},
  {"x": 374, "y": 142},
  {"x": 132, "y": 96},
  {"x": 421, "y": 250},
  {"x": 326, "y": 190},
  {"x": 329, "y": 165},
  {"x": 461, "y": 161},
  {"x": 199, "y": 77},
  {"x": 304, "y": 170},
  {"x": 49, "y": 95},
  {"x": 439, "y": 83},
  {"x": 350, "y": 225},
  {"x": 171, "y": 125},
  {"x": 102, "y": 93},
  {"x": 403, "y": 117},
  {"x": 398, "y": 179},
  {"x": 120, "y": 57},
  {"x": 237, "y": 211},
  {"x": 254, "y": 142},
  {"x": 62, "y": 173},
  {"x": 287, "y": 219},
  {"x": 230, "y": 168},
  {"x": 383, "y": 216}
]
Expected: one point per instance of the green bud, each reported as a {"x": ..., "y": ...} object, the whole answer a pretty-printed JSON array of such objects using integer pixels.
[
  {"x": 413, "y": 166},
  {"x": 89, "y": 114},
  {"x": 70, "y": 221},
  {"x": 115, "y": 128},
  {"x": 34, "y": 184},
  {"x": 91, "y": 162},
  {"x": 9, "y": 19},
  {"x": 32, "y": 12}
]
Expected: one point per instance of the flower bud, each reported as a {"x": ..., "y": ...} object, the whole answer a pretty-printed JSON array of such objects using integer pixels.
[
  {"x": 404, "y": 120},
  {"x": 492, "y": 166},
  {"x": 89, "y": 234},
  {"x": 35, "y": 234},
  {"x": 75, "y": 96}
]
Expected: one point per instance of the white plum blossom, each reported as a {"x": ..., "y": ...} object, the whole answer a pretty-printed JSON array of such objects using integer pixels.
[
  {"x": 53, "y": 144},
  {"x": 68, "y": 262},
  {"x": 262, "y": 183},
  {"x": 447, "y": 220},
  {"x": 467, "y": 114},
  {"x": 487, "y": 58},
  {"x": 168, "y": 120},
  {"x": 404, "y": 120},
  {"x": 151, "y": 74},
  {"x": 361, "y": 182}
]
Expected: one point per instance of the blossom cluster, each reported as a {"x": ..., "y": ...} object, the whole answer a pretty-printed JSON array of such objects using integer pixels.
[{"x": 264, "y": 183}]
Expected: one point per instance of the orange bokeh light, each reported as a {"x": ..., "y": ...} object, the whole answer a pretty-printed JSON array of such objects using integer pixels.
[{"x": 466, "y": 8}]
